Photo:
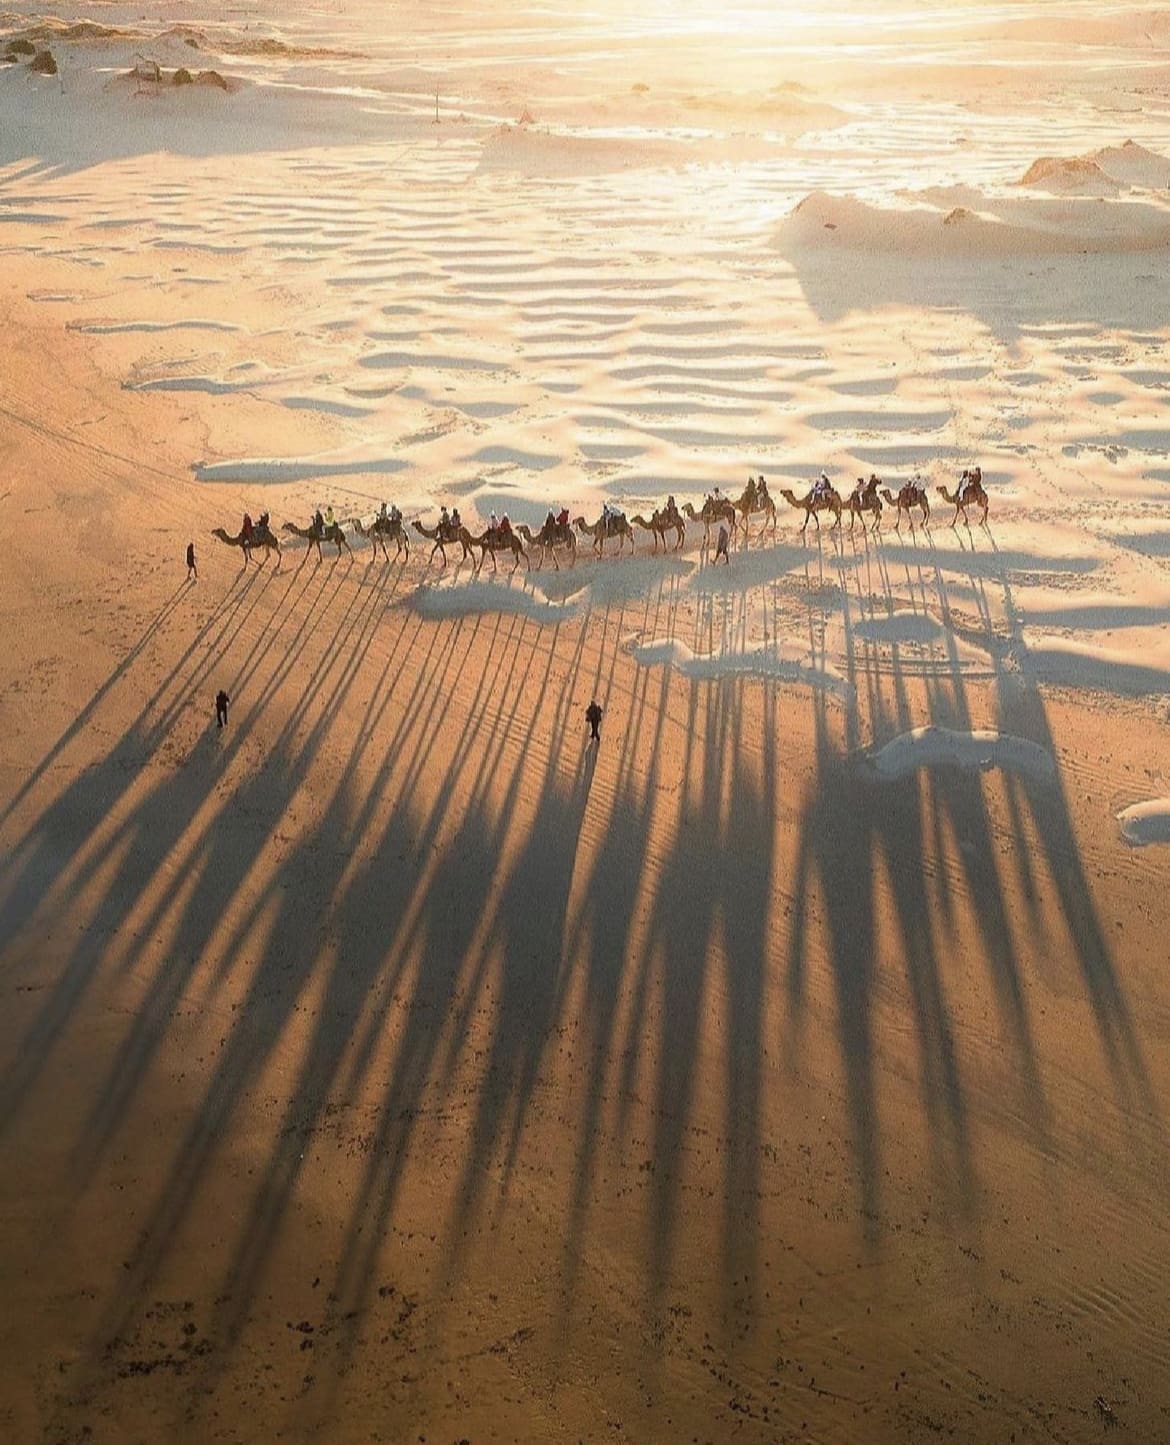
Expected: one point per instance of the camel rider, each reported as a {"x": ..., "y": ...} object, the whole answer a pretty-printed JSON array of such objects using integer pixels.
[
  {"x": 505, "y": 528},
  {"x": 263, "y": 525},
  {"x": 822, "y": 486},
  {"x": 550, "y": 522},
  {"x": 382, "y": 517},
  {"x": 762, "y": 490},
  {"x": 751, "y": 493},
  {"x": 395, "y": 517},
  {"x": 493, "y": 525},
  {"x": 563, "y": 517},
  {"x": 456, "y": 519},
  {"x": 246, "y": 530},
  {"x": 318, "y": 521},
  {"x": 329, "y": 522},
  {"x": 859, "y": 489}
]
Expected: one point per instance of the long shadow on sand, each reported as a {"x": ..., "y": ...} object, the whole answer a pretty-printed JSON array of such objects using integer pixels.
[{"x": 472, "y": 888}]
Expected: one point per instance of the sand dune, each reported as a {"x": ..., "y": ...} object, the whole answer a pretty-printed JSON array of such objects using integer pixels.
[{"x": 998, "y": 228}]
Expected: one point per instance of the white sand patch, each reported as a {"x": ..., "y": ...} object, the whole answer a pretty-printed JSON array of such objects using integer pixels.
[
  {"x": 780, "y": 662},
  {"x": 326, "y": 405},
  {"x": 462, "y": 597},
  {"x": 1146, "y": 823},
  {"x": 975, "y": 226},
  {"x": 209, "y": 385},
  {"x": 537, "y": 152},
  {"x": 296, "y": 469},
  {"x": 932, "y": 747},
  {"x": 118, "y": 328}
]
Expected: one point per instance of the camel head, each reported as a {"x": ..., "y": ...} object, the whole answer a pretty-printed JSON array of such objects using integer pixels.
[
  {"x": 790, "y": 497},
  {"x": 223, "y": 537},
  {"x": 581, "y": 524}
]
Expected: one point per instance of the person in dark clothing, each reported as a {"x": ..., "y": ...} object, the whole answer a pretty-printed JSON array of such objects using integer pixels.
[
  {"x": 593, "y": 718},
  {"x": 192, "y": 570},
  {"x": 721, "y": 546},
  {"x": 221, "y": 707}
]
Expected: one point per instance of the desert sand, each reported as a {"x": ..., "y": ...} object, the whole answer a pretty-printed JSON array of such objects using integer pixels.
[{"x": 392, "y": 1065}]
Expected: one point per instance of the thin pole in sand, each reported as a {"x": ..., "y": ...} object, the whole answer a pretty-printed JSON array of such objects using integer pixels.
[{"x": 436, "y": 105}]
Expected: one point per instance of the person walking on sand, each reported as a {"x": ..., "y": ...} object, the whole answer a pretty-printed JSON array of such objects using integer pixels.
[
  {"x": 192, "y": 570},
  {"x": 721, "y": 546},
  {"x": 593, "y": 718},
  {"x": 221, "y": 707}
]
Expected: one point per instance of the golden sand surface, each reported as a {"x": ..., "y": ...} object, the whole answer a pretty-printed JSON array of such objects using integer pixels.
[{"x": 393, "y": 1066}]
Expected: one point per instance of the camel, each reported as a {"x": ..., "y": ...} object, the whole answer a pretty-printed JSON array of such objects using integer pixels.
[
  {"x": 659, "y": 524},
  {"x": 756, "y": 499},
  {"x": 262, "y": 540},
  {"x": 613, "y": 525},
  {"x": 714, "y": 510},
  {"x": 970, "y": 492},
  {"x": 816, "y": 499},
  {"x": 864, "y": 498},
  {"x": 315, "y": 535},
  {"x": 910, "y": 494},
  {"x": 495, "y": 540},
  {"x": 551, "y": 536},
  {"x": 444, "y": 536},
  {"x": 381, "y": 528}
]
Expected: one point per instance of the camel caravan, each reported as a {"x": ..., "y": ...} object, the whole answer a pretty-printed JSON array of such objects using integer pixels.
[{"x": 733, "y": 517}]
